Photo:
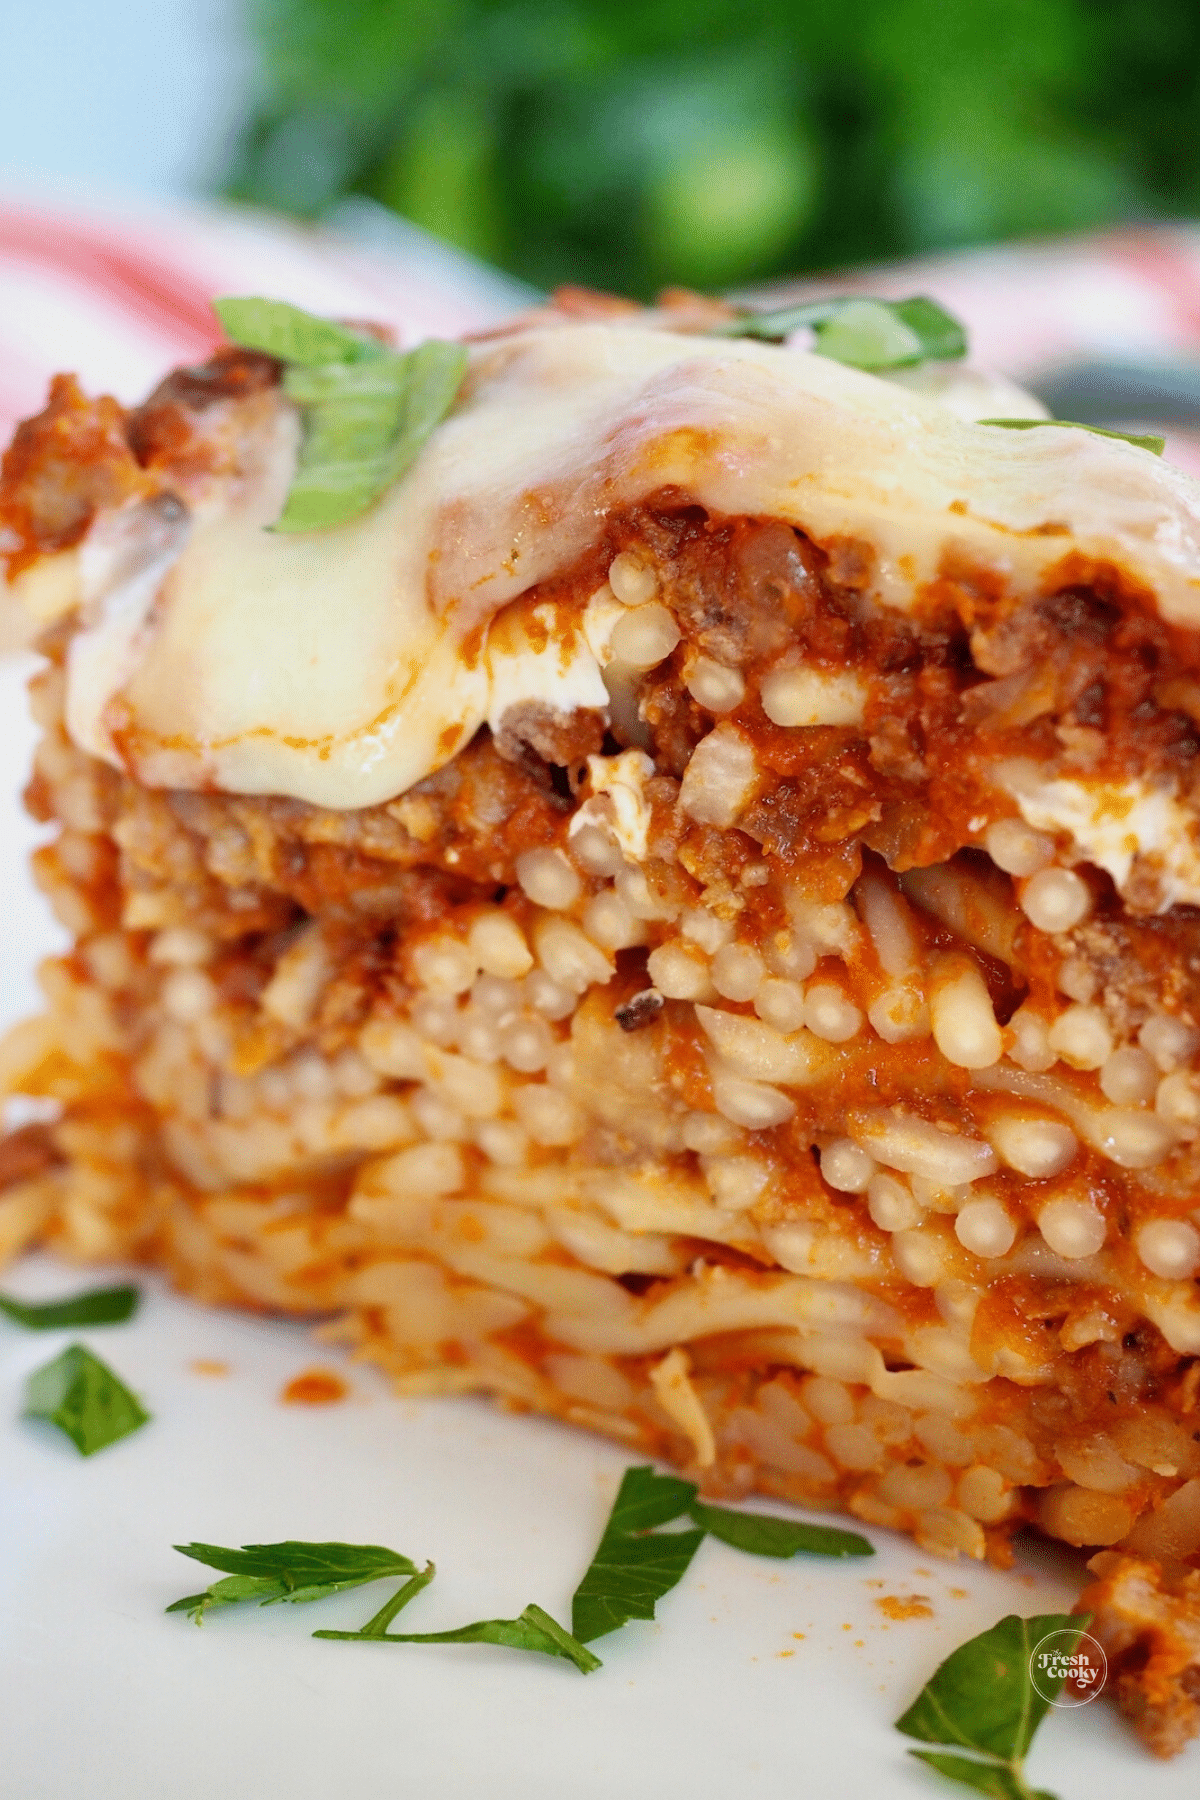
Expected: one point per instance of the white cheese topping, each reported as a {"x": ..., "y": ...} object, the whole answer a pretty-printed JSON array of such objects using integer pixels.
[
  {"x": 341, "y": 666},
  {"x": 969, "y": 393}
]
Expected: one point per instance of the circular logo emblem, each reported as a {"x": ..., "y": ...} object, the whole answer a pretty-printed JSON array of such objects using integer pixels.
[{"x": 1068, "y": 1669}]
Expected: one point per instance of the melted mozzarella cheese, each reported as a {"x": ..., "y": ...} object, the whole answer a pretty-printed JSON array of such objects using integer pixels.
[
  {"x": 969, "y": 393},
  {"x": 341, "y": 666}
]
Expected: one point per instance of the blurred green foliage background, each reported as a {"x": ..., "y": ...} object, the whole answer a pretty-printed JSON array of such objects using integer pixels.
[{"x": 631, "y": 143}]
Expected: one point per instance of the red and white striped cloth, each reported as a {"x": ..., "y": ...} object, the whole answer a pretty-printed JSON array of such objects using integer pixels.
[{"x": 119, "y": 298}]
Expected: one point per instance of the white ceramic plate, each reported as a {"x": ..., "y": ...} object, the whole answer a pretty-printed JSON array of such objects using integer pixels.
[{"x": 759, "y": 1679}]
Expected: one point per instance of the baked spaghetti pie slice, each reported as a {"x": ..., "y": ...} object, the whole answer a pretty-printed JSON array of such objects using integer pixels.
[{"x": 680, "y": 912}]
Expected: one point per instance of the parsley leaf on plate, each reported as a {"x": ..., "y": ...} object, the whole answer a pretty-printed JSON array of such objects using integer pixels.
[
  {"x": 646, "y": 1499},
  {"x": 866, "y": 334},
  {"x": 288, "y": 1571},
  {"x": 534, "y": 1630},
  {"x": 97, "y": 1306},
  {"x": 982, "y": 1699},
  {"x": 83, "y": 1397},
  {"x": 635, "y": 1566},
  {"x": 377, "y": 1625},
  {"x": 368, "y": 410},
  {"x": 1144, "y": 441},
  {"x": 999, "y": 1780},
  {"x": 763, "y": 1534}
]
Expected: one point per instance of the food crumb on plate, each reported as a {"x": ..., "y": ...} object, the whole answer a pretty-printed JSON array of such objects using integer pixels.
[
  {"x": 208, "y": 1365},
  {"x": 905, "y": 1606},
  {"x": 314, "y": 1387}
]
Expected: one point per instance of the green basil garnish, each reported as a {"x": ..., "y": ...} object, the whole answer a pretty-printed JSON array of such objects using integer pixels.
[
  {"x": 866, "y": 334},
  {"x": 1146, "y": 441},
  {"x": 367, "y": 410},
  {"x": 291, "y": 334}
]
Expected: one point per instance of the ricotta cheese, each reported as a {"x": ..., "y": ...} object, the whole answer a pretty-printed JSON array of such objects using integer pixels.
[{"x": 1113, "y": 824}]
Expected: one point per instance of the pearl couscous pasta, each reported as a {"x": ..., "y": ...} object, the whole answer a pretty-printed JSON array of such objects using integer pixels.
[{"x": 682, "y": 916}]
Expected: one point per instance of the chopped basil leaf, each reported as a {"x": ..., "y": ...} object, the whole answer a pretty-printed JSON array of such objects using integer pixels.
[
  {"x": 866, "y": 334},
  {"x": 292, "y": 335},
  {"x": 869, "y": 335},
  {"x": 289, "y": 1571},
  {"x": 367, "y": 409},
  {"x": 780, "y": 323},
  {"x": 364, "y": 426},
  {"x": 1145, "y": 441},
  {"x": 942, "y": 338},
  {"x": 763, "y": 1534},
  {"x": 98, "y": 1306},
  {"x": 633, "y": 1566},
  {"x": 982, "y": 1698},
  {"x": 534, "y": 1630},
  {"x": 82, "y": 1396}
]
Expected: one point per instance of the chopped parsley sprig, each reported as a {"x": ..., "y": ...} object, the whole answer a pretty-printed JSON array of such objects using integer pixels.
[
  {"x": 368, "y": 410},
  {"x": 85, "y": 1399},
  {"x": 866, "y": 334},
  {"x": 982, "y": 1701},
  {"x": 635, "y": 1565},
  {"x": 763, "y": 1534},
  {"x": 533, "y": 1630},
  {"x": 298, "y": 1571},
  {"x": 289, "y": 1571},
  {"x": 96, "y": 1306},
  {"x": 377, "y": 1625}
]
